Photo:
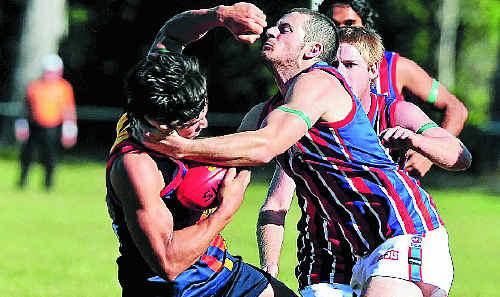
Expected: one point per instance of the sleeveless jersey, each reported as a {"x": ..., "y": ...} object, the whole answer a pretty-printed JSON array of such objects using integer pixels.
[
  {"x": 351, "y": 194},
  {"x": 381, "y": 113},
  {"x": 211, "y": 271},
  {"x": 386, "y": 83}
]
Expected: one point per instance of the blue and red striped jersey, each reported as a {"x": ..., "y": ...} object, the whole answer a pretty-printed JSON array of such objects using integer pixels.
[
  {"x": 387, "y": 81},
  {"x": 351, "y": 194}
]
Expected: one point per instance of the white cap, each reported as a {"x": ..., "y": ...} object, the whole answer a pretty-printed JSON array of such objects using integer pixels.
[{"x": 52, "y": 62}]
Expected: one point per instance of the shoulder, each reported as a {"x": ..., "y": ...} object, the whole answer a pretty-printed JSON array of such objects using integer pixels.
[
  {"x": 66, "y": 84},
  {"x": 33, "y": 85},
  {"x": 406, "y": 65},
  {"x": 135, "y": 168},
  {"x": 316, "y": 80}
]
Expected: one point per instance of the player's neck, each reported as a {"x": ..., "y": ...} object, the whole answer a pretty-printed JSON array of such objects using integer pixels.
[
  {"x": 285, "y": 73},
  {"x": 366, "y": 100}
]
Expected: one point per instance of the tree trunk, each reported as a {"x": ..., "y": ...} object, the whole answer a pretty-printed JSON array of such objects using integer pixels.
[
  {"x": 449, "y": 20},
  {"x": 314, "y": 4},
  {"x": 44, "y": 24}
]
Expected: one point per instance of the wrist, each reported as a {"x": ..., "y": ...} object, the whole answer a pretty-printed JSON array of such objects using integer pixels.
[
  {"x": 415, "y": 141},
  {"x": 271, "y": 268},
  {"x": 222, "y": 215}
]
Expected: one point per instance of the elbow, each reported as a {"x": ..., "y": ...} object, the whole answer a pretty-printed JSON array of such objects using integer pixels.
[
  {"x": 264, "y": 158},
  {"x": 169, "y": 270},
  {"x": 463, "y": 112},
  {"x": 263, "y": 154},
  {"x": 463, "y": 160},
  {"x": 458, "y": 110}
]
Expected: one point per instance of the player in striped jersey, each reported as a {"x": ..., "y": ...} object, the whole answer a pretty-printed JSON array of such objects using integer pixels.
[
  {"x": 397, "y": 73},
  {"x": 166, "y": 248},
  {"x": 353, "y": 198},
  {"x": 360, "y": 52}
]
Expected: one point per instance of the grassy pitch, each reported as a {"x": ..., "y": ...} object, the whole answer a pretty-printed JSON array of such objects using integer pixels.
[{"x": 61, "y": 243}]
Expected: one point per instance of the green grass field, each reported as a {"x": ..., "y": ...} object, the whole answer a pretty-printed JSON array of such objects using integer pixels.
[{"x": 61, "y": 244}]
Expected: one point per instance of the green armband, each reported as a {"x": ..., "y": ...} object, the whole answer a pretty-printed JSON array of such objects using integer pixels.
[
  {"x": 298, "y": 113},
  {"x": 426, "y": 127},
  {"x": 433, "y": 95}
]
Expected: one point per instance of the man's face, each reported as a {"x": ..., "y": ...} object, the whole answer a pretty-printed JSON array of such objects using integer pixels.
[
  {"x": 193, "y": 128},
  {"x": 344, "y": 15},
  {"x": 356, "y": 70},
  {"x": 189, "y": 130},
  {"x": 285, "y": 40}
]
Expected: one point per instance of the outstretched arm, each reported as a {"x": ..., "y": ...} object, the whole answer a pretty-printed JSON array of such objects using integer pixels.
[
  {"x": 137, "y": 181},
  {"x": 271, "y": 223},
  {"x": 279, "y": 132},
  {"x": 244, "y": 20},
  {"x": 413, "y": 78},
  {"x": 435, "y": 143}
]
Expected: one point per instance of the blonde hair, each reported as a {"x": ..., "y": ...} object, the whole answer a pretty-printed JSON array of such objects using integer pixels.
[{"x": 366, "y": 41}]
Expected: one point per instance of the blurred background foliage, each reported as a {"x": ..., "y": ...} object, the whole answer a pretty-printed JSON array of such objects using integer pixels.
[{"x": 105, "y": 38}]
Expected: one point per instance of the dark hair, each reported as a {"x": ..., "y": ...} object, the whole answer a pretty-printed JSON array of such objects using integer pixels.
[
  {"x": 322, "y": 29},
  {"x": 361, "y": 7},
  {"x": 167, "y": 87}
]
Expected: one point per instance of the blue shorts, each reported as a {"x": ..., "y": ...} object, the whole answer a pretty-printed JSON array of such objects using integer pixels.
[
  {"x": 244, "y": 280},
  {"x": 251, "y": 281}
]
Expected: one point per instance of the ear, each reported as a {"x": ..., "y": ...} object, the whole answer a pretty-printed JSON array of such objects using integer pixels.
[
  {"x": 313, "y": 50},
  {"x": 373, "y": 71}
]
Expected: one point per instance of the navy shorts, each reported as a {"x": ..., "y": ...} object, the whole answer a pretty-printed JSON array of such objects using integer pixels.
[
  {"x": 245, "y": 281},
  {"x": 251, "y": 281}
]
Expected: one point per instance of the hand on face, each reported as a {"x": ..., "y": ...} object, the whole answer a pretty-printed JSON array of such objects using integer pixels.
[
  {"x": 166, "y": 142},
  {"x": 245, "y": 21}
]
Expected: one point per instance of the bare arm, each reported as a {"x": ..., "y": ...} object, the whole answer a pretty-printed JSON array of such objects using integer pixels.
[
  {"x": 244, "y": 20},
  {"x": 138, "y": 182},
  {"x": 271, "y": 223},
  {"x": 437, "y": 144},
  {"x": 328, "y": 100},
  {"x": 418, "y": 82}
]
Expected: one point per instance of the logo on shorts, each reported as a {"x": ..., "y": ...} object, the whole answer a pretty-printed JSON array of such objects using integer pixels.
[
  {"x": 389, "y": 255},
  {"x": 416, "y": 242},
  {"x": 415, "y": 261}
]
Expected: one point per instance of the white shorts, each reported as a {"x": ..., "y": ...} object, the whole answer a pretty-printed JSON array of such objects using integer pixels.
[
  {"x": 414, "y": 258},
  {"x": 326, "y": 290}
]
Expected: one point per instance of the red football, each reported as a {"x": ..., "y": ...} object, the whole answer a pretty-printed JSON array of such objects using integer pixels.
[{"x": 199, "y": 187}]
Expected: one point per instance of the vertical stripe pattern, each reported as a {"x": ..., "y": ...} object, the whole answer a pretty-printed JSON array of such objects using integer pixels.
[{"x": 351, "y": 194}]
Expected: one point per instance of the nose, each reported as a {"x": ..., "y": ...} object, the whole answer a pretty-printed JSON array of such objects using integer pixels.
[
  {"x": 272, "y": 32},
  {"x": 204, "y": 123}
]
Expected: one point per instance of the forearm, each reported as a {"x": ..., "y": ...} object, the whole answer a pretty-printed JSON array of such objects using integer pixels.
[
  {"x": 454, "y": 117},
  {"x": 446, "y": 152},
  {"x": 186, "y": 245},
  {"x": 248, "y": 148},
  {"x": 270, "y": 239},
  {"x": 189, "y": 26}
]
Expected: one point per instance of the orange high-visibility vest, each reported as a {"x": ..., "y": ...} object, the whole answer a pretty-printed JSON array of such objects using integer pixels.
[{"x": 50, "y": 102}]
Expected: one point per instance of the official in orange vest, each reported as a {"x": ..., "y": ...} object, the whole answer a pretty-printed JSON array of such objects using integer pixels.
[{"x": 50, "y": 108}]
